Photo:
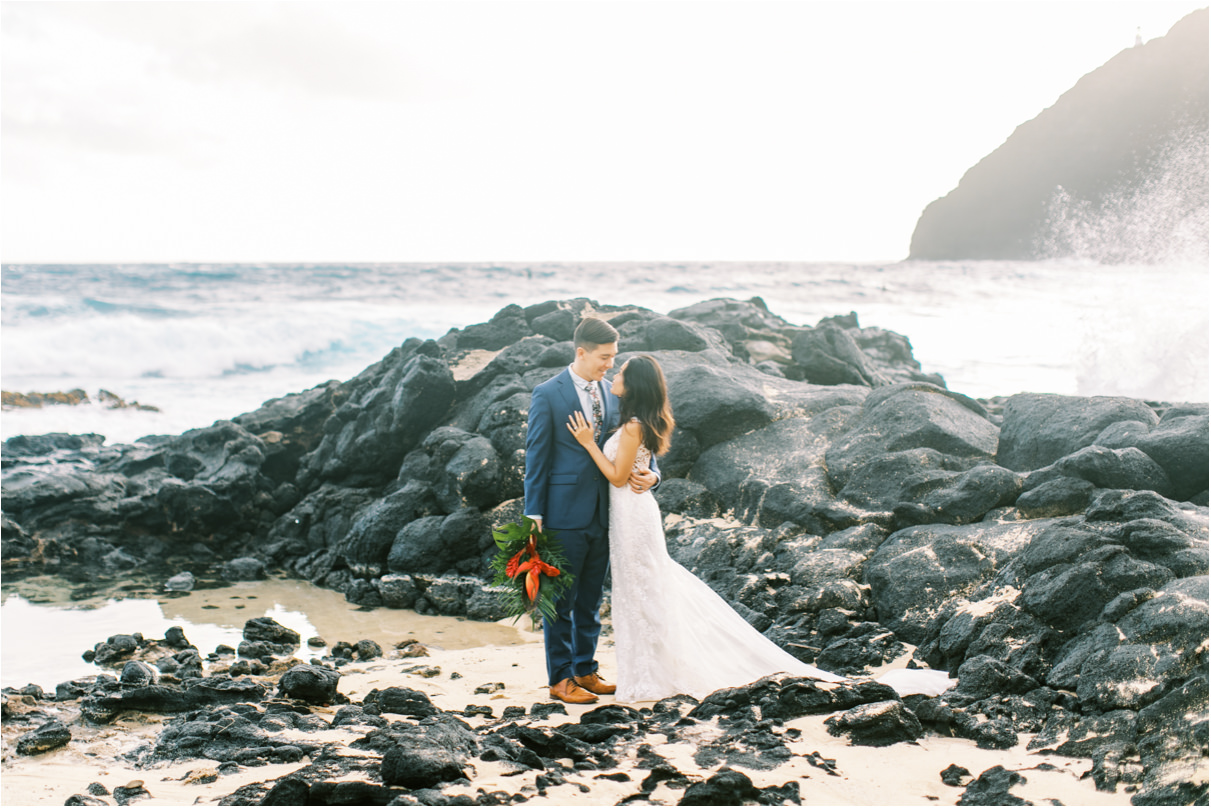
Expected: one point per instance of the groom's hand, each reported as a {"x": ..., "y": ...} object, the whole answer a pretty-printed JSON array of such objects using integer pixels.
[{"x": 643, "y": 480}]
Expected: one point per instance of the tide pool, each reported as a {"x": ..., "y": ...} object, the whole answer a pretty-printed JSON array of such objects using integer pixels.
[{"x": 44, "y": 632}]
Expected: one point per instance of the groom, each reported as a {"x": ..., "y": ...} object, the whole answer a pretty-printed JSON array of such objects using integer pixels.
[{"x": 567, "y": 494}]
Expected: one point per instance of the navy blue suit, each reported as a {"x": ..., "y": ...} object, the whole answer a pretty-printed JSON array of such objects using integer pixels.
[{"x": 565, "y": 487}]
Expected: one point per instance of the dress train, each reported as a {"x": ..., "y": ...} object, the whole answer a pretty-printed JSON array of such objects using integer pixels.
[{"x": 674, "y": 634}]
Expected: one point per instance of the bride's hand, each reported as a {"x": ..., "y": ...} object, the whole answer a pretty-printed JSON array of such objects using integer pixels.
[{"x": 578, "y": 425}]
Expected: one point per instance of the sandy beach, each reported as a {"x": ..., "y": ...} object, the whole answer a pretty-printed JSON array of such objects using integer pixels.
[{"x": 904, "y": 774}]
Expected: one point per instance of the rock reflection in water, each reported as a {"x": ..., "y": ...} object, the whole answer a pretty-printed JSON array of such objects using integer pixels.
[{"x": 46, "y": 627}]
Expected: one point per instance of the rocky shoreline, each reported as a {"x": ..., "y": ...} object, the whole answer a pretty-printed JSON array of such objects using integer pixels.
[
  {"x": 70, "y": 398},
  {"x": 408, "y": 726},
  {"x": 1049, "y": 551}
]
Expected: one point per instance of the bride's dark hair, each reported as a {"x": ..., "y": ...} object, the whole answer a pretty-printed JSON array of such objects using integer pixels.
[{"x": 646, "y": 397}]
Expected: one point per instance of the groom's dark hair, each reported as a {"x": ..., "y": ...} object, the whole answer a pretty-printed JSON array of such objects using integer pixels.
[{"x": 592, "y": 332}]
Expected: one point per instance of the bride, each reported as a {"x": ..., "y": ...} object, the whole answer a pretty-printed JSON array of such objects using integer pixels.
[{"x": 672, "y": 633}]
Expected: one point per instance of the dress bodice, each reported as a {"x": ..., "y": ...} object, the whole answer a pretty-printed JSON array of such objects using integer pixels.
[{"x": 643, "y": 458}]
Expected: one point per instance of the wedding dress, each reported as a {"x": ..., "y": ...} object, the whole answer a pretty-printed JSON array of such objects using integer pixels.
[{"x": 673, "y": 634}]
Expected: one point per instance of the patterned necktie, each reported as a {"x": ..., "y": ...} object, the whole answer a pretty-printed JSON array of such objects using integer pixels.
[{"x": 598, "y": 419}]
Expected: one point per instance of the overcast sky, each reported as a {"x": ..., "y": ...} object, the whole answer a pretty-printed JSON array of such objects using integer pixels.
[{"x": 516, "y": 131}]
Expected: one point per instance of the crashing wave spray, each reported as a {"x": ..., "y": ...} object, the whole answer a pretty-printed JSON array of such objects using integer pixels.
[{"x": 1160, "y": 218}]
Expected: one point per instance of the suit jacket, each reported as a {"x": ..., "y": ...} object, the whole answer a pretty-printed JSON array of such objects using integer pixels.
[{"x": 563, "y": 484}]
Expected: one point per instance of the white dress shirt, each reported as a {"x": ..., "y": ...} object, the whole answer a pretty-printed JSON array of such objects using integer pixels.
[{"x": 586, "y": 401}]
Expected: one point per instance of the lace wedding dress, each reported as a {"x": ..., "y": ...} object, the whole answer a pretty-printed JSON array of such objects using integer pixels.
[{"x": 672, "y": 633}]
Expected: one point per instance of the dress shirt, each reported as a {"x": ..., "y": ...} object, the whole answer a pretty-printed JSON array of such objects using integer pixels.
[{"x": 586, "y": 401}]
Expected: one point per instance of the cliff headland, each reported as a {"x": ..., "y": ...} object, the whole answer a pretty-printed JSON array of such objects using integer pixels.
[{"x": 1115, "y": 170}]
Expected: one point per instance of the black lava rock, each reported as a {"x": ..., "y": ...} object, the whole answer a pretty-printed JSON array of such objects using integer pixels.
[
  {"x": 401, "y": 701},
  {"x": 726, "y": 787},
  {"x": 882, "y": 723},
  {"x": 138, "y": 674},
  {"x": 420, "y": 767},
  {"x": 266, "y": 629},
  {"x": 245, "y": 568},
  {"x": 310, "y": 683},
  {"x": 50, "y": 735},
  {"x": 992, "y": 788}
]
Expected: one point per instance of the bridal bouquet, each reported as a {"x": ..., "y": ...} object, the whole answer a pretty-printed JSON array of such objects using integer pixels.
[{"x": 527, "y": 567}]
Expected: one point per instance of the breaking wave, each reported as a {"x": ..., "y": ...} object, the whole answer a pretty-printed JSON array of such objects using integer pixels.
[{"x": 1162, "y": 219}]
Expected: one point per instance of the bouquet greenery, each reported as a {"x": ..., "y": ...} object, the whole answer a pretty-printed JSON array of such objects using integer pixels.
[{"x": 527, "y": 568}]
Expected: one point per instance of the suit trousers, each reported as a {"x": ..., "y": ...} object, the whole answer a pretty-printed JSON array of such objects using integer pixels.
[{"x": 571, "y": 640}]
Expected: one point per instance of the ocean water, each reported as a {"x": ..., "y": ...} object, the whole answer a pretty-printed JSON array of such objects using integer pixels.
[
  {"x": 204, "y": 342},
  {"x": 79, "y": 616}
]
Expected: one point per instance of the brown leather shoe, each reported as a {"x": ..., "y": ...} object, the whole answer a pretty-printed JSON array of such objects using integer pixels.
[
  {"x": 572, "y": 693},
  {"x": 595, "y": 684}
]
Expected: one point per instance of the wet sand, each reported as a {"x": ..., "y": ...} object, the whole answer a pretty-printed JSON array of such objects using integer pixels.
[{"x": 36, "y": 608}]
